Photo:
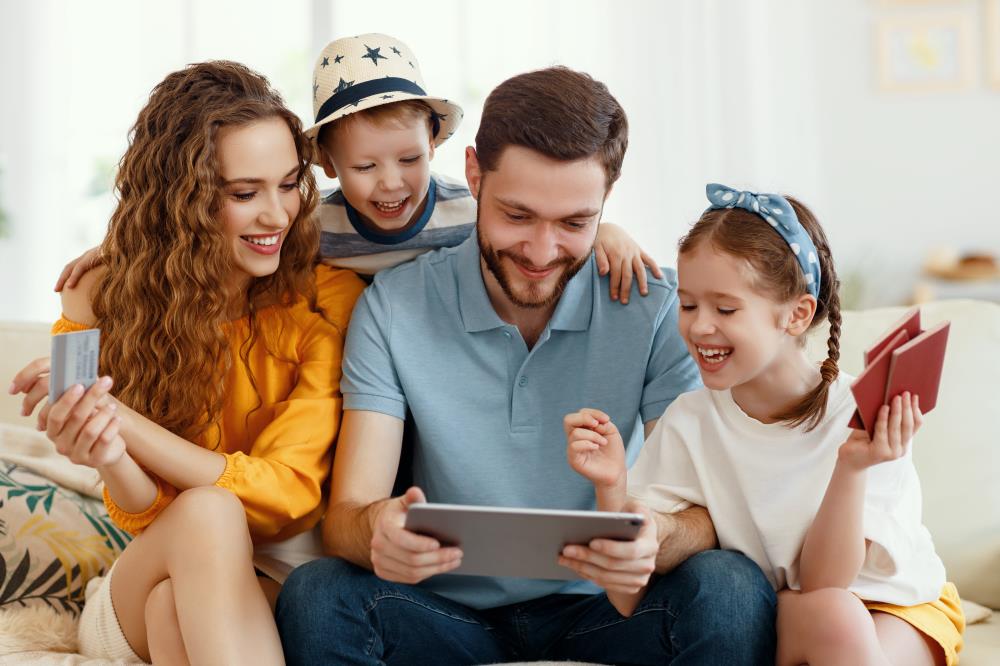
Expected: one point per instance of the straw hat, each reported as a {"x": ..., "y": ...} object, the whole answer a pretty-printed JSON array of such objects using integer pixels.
[{"x": 356, "y": 73}]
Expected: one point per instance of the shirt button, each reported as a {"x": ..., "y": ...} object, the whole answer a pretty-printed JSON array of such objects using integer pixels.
[
  {"x": 522, "y": 381},
  {"x": 506, "y": 334}
]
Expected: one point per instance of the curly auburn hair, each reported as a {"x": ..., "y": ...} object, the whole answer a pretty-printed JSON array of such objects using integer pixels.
[
  {"x": 776, "y": 272},
  {"x": 161, "y": 304}
]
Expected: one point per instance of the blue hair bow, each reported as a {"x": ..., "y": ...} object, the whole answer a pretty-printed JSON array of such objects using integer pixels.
[{"x": 777, "y": 212}]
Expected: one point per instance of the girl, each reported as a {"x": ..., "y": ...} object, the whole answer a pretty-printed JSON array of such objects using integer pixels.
[
  {"x": 831, "y": 517},
  {"x": 224, "y": 342}
]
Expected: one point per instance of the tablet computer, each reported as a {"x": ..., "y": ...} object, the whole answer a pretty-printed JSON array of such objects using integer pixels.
[{"x": 522, "y": 543}]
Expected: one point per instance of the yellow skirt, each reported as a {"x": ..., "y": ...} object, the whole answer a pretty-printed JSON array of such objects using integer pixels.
[{"x": 941, "y": 620}]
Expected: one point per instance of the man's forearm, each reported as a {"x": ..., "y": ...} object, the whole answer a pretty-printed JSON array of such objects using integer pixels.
[
  {"x": 682, "y": 535},
  {"x": 347, "y": 531}
]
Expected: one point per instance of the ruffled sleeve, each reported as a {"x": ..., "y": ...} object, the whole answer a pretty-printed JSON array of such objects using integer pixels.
[{"x": 280, "y": 479}]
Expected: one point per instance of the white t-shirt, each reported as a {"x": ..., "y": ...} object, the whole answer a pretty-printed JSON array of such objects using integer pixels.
[{"x": 763, "y": 485}]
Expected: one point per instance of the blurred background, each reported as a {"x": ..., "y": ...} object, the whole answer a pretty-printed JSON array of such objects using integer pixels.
[{"x": 882, "y": 115}]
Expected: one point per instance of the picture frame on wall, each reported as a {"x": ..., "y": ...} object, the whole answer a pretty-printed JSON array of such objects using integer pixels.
[
  {"x": 925, "y": 52},
  {"x": 991, "y": 19}
]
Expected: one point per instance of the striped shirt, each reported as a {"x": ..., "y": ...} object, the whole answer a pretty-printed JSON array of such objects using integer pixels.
[{"x": 349, "y": 242}]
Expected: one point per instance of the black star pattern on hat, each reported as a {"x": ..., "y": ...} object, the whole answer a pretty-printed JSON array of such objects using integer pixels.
[
  {"x": 315, "y": 89},
  {"x": 343, "y": 85},
  {"x": 397, "y": 51},
  {"x": 337, "y": 59},
  {"x": 374, "y": 54},
  {"x": 411, "y": 64},
  {"x": 325, "y": 63},
  {"x": 386, "y": 96},
  {"x": 358, "y": 101}
]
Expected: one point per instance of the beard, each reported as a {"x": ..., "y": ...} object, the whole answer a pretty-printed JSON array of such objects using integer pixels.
[{"x": 534, "y": 295}]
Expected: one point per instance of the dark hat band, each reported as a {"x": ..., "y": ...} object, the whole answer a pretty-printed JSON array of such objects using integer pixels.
[{"x": 354, "y": 94}]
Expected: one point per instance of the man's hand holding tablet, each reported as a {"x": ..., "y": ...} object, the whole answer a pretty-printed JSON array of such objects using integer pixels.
[
  {"x": 617, "y": 566},
  {"x": 402, "y": 556},
  {"x": 528, "y": 543}
]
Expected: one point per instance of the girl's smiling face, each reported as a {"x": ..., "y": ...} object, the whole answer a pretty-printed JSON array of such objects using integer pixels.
[{"x": 735, "y": 333}]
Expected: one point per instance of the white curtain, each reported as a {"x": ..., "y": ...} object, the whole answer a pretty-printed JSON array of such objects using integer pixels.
[{"x": 773, "y": 95}]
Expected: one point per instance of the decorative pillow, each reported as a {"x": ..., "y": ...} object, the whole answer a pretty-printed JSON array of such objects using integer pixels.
[{"x": 52, "y": 541}]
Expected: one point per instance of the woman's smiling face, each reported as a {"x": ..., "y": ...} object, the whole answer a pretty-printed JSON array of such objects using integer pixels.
[{"x": 259, "y": 167}]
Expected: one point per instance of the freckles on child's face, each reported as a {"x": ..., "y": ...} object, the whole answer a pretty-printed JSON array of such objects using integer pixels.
[
  {"x": 384, "y": 169},
  {"x": 730, "y": 329}
]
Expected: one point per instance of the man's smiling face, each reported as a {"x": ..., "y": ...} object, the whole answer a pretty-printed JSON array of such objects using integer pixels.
[{"x": 537, "y": 220}]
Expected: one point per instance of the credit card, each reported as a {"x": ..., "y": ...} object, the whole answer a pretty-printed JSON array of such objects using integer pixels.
[{"x": 73, "y": 361}]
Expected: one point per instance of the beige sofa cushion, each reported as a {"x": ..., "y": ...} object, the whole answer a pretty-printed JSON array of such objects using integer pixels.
[{"x": 957, "y": 452}]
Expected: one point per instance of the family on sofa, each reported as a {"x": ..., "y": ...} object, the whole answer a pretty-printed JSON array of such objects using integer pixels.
[{"x": 532, "y": 357}]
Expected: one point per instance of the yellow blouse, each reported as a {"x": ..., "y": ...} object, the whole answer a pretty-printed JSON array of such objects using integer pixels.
[{"x": 278, "y": 459}]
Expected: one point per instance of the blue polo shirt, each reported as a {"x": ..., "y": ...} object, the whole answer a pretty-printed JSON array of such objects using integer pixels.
[{"x": 487, "y": 410}]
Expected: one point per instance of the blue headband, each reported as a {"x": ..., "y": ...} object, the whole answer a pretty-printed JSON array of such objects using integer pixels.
[{"x": 776, "y": 210}]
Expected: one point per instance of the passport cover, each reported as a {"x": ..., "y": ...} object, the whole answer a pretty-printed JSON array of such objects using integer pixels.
[{"x": 906, "y": 358}]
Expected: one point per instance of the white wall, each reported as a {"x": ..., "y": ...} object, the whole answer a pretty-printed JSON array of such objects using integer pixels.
[
  {"x": 903, "y": 172},
  {"x": 769, "y": 94}
]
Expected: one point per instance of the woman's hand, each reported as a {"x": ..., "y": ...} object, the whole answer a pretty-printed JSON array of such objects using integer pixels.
[
  {"x": 84, "y": 426},
  {"x": 618, "y": 254},
  {"x": 896, "y": 425}
]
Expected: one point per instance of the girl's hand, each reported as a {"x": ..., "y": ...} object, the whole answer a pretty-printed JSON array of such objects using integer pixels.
[
  {"x": 74, "y": 270},
  {"x": 896, "y": 425},
  {"x": 84, "y": 427},
  {"x": 595, "y": 449},
  {"x": 618, "y": 254}
]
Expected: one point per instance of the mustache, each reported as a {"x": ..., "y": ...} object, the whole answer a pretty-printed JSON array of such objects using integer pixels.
[{"x": 524, "y": 261}]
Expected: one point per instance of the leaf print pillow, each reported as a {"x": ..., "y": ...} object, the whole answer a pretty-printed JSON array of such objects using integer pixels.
[{"x": 52, "y": 541}]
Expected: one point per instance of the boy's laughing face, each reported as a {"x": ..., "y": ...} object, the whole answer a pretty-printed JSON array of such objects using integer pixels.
[{"x": 383, "y": 167}]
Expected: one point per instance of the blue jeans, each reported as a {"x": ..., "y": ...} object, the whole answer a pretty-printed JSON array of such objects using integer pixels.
[{"x": 715, "y": 608}]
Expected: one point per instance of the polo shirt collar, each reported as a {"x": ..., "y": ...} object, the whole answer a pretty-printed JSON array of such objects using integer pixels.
[
  {"x": 572, "y": 313},
  {"x": 576, "y": 306}
]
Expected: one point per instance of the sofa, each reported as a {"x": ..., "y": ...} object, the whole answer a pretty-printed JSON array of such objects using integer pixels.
[{"x": 957, "y": 454}]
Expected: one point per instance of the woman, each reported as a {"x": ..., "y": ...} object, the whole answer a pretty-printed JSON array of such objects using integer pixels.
[{"x": 224, "y": 342}]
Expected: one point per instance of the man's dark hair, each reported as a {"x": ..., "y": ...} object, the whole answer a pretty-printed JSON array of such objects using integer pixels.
[{"x": 560, "y": 113}]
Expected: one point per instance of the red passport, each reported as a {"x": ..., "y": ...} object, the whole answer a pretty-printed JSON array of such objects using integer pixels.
[{"x": 906, "y": 358}]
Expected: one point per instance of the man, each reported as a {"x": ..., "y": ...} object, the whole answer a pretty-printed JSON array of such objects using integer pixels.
[{"x": 488, "y": 345}]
